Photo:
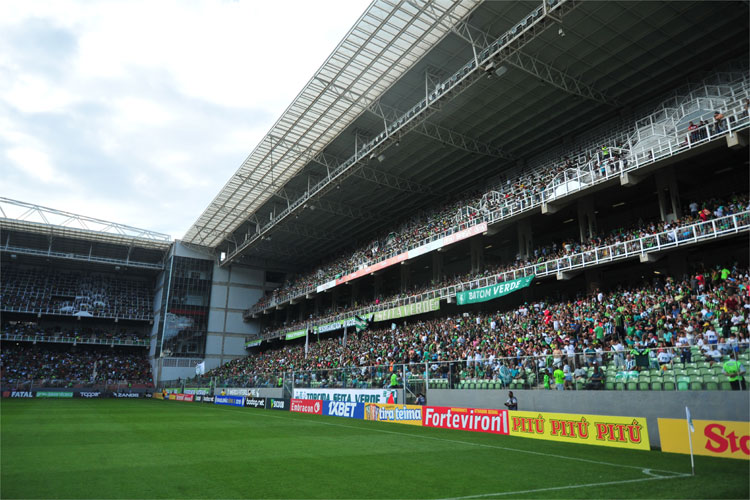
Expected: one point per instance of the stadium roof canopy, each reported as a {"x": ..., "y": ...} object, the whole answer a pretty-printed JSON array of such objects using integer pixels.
[
  {"x": 389, "y": 38},
  {"x": 423, "y": 100},
  {"x": 41, "y": 232}
]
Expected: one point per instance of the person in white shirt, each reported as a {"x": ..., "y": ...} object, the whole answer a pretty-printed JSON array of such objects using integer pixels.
[
  {"x": 619, "y": 354},
  {"x": 664, "y": 357},
  {"x": 710, "y": 336}
]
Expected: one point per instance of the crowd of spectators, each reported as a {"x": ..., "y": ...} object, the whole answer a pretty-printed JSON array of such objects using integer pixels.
[
  {"x": 49, "y": 291},
  {"x": 708, "y": 309},
  {"x": 551, "y": 254},
  {"x": 72, "y": 365},
  {"x": 78, "y": 333}
]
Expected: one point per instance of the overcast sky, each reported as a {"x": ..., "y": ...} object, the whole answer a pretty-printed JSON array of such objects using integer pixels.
[{"x": 138, "y": 112}]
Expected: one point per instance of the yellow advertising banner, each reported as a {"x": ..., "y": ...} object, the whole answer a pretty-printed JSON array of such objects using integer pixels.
[
  {"x": 172, "y": 396},
  {"x": 158, "y": 395},
  {"x": 600, "y": 430},
  {"x": 400, "y": 414},
  {"x": 712, "y": 438}
]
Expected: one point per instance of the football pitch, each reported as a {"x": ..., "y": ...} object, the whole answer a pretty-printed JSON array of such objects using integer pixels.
[{"x": 157, "y": 449}]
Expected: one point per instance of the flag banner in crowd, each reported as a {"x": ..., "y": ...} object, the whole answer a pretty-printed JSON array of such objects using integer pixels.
[
  {"x": 713, "y": 438},
  {"x": 620, "y": 432},
  {"x": 399, "y": 414},
  {"x": 338, "y": 325},
  {"x": 360, "y": 324},
  {"x": 347, "y": 395},
  {"x": 408, "y": 310},
  {"x": 492, "y": 292},
  {"x": 295, "y": 335},
  {"x": 252, "y": 343},
  {"x": 200, "y": 368}
]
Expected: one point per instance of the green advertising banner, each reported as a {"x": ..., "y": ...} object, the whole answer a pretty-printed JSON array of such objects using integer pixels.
[
  {"x": 252, "y": 343},
  {"x": 492, "y": 292},
  {"x": 54, "y": 394},
  {"x": 408, "y": 310},
  {"x": 295, "y": 335}
]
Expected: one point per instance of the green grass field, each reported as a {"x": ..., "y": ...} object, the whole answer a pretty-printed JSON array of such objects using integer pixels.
[{"x": 157, "y": 449}]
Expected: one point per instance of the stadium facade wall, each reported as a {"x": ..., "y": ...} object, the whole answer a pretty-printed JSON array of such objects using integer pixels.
[{"x": 706, "y": 405}]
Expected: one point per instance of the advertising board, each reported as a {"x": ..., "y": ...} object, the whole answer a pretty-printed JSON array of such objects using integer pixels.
[
  {"x": 348, "y": 395},
  {"x": 89, "y": 394},
  {"x": 600, "y": 430},
  {"x": 312, "y": 406},
  {"x": 400, "y": 414},
  {"x": 241, "y": 391},
  {"x": 203, "y": 391},
  {"x": 344, "y": 409},
  {"x": 229, "y": 400},
  {"x": 54, "y": 394},
  {"x": 466, "y": 419},
  {"x": 712, "y": 438},
  {"x": 184, "y": 397},
  {"x": 208, "y": 399},
  {"x": 255, "y": 402},
  {"x": 18, "y": 394},
  {"x": 277, "y": 404}
]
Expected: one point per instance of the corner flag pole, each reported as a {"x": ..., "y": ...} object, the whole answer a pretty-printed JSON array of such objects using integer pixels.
[{"x": 691, "y": 429}]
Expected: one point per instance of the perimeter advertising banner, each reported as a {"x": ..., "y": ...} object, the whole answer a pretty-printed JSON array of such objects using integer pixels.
[
  {"x": 348, "y": 395},
  {"x": 492, "y": 292},
  {"x": 53, "y": 394},
  {"x": 399, "y": 414},
  {"x": 600, "y": 430},
  {"x": 344, "y": 409},
  {"x": 712, "y": 438},
  {"x": 312, "y": 406},
  {"x": 408, "y": 310},
  {"x": 295, "y": 334},
  {"x": 203, "y": 391},
  {"x": 466, "y": 419},
  {"x": 229, "y": 400},
  {"x": 251, "y": 402},
  {"x": 277, "y": 404},
  {"x": 183, "y": 397}
]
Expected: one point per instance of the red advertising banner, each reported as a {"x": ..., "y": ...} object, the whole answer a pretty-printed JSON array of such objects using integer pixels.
[
  {"x": 375, "y": 267},
  {"x": 466, "y": 419},
  {"x": 313, "y": 406},
  {"x": 466, "y": 233},
  {"x": 182, "y": 397}
]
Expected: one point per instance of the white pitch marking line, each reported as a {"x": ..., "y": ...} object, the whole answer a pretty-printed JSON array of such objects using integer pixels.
[
  {"x": 556, "y": 488},
  {"x": 677, "y": 474}
]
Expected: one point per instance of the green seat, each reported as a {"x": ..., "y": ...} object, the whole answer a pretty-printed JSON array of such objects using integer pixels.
[
  {"x": 644, "y": 383},
  {"x": 462, "y": 384},
  {"x": 681, "y": 372},
  {"x": 705, "y": 371},
  {"x": 472, "y": 385},
  {"x": 712, "y": 383},
  {"x": 632, "y": 385},
  {"x": 620, "y": 386},
  {"x": 696, "y": 383},
  {"x": 717, "y": 370},
  {"x": 655, "y": 373},
  {"x": 484, "y": 385},
  {"x": 703, "y": 364},
  {"x": 694, "y": 372},
  {"x": 608, "y": 385},
  {"x": 683, "y": 383},
  {"x": 725, "y": 385},
  {"x": 656, "y": 385},
  {"x": 669, "y": 383}
]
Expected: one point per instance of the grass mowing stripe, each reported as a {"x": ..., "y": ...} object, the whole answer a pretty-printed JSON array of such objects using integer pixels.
[{"x": 469, "y": 443}]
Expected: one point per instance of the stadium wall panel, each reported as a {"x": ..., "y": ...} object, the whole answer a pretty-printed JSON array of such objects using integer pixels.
[
  {"x": 707, "y": 405},
  {"x": 241, "y": 297}
]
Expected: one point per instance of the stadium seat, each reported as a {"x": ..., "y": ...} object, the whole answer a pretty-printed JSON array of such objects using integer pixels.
[
  {"x": 712, "y": 383},
  {"x": 656, "y": 384},
  {"x": 669, "y": 383},
  {"x": 725, "y": 385},
  {"x": 696, "y": 383},
  {"x": 683, "y": 383},
  {"x": 644, "y": 383}
]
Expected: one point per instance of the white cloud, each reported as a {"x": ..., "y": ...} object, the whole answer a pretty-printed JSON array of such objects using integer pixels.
[{"x": 140, "y": 111}]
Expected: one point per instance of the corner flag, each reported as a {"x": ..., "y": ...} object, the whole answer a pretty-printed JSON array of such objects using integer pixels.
[{"x": 691, "y": 430}]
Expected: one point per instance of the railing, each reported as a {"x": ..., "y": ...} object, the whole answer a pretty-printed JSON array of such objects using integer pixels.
[
  {"x": 72, "y": 340},
  {"x": 86, "y": 258},
  {"x": 679, "y": 236},
  {"x": 571, "y": 181},
  {"x": 86, "y": 314},
  {"x": 683, "y": 368}
]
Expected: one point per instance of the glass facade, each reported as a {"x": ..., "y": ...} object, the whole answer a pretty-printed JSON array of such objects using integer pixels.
[{"x": 186, "y": 300}]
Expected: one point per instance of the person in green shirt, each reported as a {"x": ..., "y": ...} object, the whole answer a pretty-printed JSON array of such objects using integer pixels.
[
  {"x": 394, "y": 380},
  {"x": 559, "y": 376},
  {"x": 735, "y": 373},
  {"x": 546, "y": 379}
]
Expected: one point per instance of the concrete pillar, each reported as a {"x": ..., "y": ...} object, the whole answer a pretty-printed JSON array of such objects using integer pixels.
[
  {"x": 525, "y": 239},
  {"x": 302, "y": 310},
  {"x": 437, "y": 266},
  {"x": 318, "y": 303},
  {"x": 668, "y": 194},
  {"x": 593, "y": 279},
  {"x": 477, "y": 254},
  {"x": 355, "y": 292},
  {"x": 586, "y": 219},
  {"x": 405, "y": 276},
  {"x": 378, "y": 284}
]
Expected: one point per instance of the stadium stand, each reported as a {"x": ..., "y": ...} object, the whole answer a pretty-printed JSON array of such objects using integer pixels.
[
  {"x": 675, "y": 325},
  {"x": 605, "y": 153}
]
